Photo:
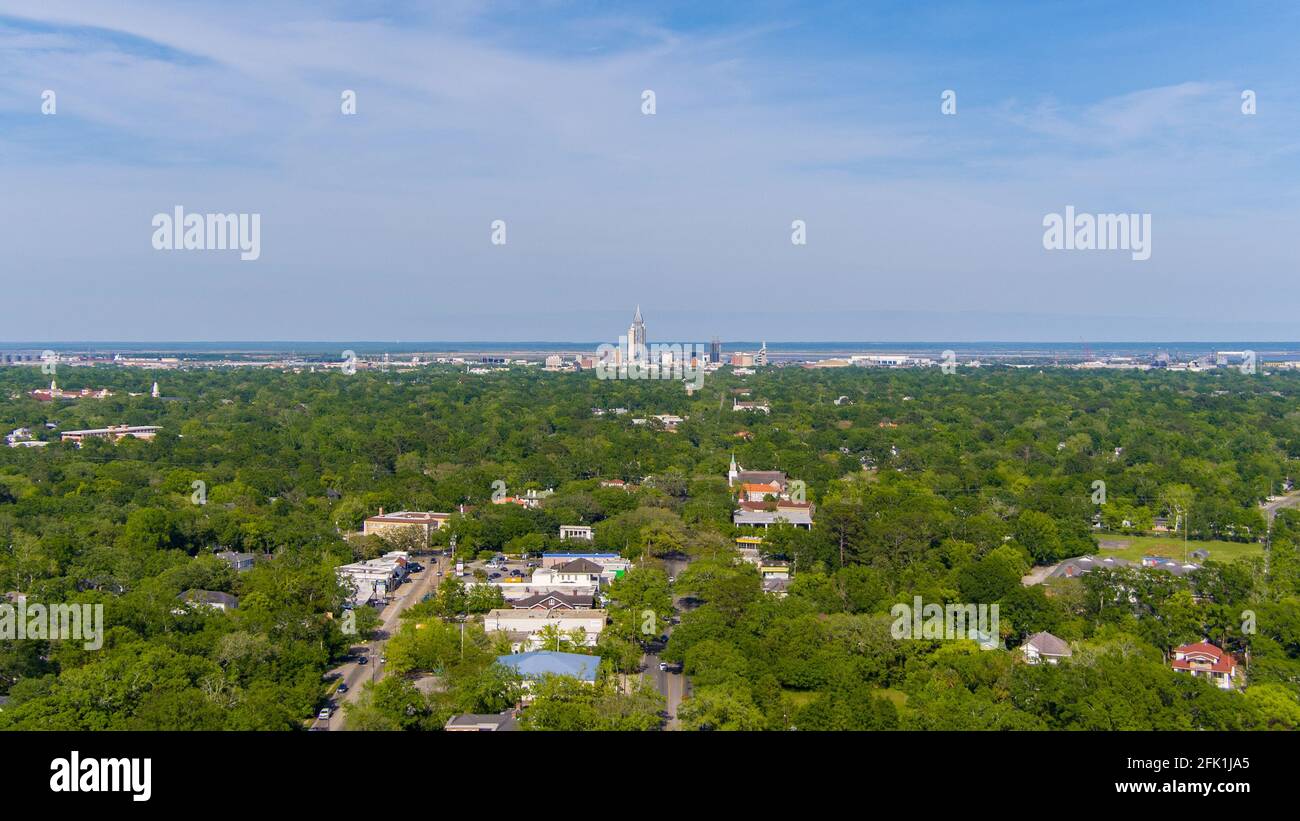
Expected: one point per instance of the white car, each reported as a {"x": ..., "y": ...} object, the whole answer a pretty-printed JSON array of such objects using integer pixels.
[
  {"x": 324, "y": 714},
  {"x": 663, "y": 666}
]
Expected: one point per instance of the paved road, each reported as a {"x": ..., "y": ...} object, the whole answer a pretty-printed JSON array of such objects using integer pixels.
[
  {"x": 353, "y": 674},
  {"x": 1271, "y": 508},
  {"x": 672, "y": 686}
]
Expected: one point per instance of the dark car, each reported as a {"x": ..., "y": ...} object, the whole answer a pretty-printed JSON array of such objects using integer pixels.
[
  {"x": 363, "y": 660},
  {"x": 343, "y": 688}
]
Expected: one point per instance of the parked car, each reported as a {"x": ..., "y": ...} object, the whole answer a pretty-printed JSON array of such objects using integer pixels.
[
  {"x": 324, "y": 714},
  {"x": 363, "y": 660},
  {"x": 663, "y": 666},
  {"x": 343, "y": 688}
]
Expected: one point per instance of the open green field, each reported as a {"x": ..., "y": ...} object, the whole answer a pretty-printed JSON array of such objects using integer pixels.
[{"x": 1139, "y": 546}]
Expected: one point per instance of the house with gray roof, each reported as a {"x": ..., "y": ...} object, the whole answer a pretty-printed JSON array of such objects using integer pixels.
[
  {"x": 482, "y": 722},
  {"x": 210, "y": 598},
  {"x": 1044, "y": 647}
]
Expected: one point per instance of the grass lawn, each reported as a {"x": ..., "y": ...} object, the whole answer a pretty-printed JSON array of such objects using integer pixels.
[{"x": 1171, "y": 547}]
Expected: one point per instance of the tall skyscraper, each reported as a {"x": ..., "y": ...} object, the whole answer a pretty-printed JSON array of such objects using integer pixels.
[
  {"x": 636, "y": 347},
  {"x": 761, "y": 359},
  {"x": 715, "y": 351}
]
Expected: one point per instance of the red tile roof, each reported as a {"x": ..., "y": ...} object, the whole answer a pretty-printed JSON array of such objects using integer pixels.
[{"x": 1220, "y": 661}]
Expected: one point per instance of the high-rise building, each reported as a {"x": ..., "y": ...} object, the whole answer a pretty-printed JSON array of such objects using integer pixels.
[
  {"x": 715, "y": 351},
  {"x": 636, "y": 346},
  {"x": 761, "y": 359}
]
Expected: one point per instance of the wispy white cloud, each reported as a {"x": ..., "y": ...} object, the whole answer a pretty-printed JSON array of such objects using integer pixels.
[{"x": 464, "y": 118}]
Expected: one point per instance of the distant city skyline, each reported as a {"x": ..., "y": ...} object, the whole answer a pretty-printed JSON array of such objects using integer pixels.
[
  {"x": 833, "y": 327},
  {"x": 501, "y": 178}
]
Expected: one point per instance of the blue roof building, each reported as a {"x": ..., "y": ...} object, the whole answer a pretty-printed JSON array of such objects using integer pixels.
[{"x": 538, "y": 663}]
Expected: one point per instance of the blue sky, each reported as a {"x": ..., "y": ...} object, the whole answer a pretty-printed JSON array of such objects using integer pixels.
[{"x": 920, "y": 225}]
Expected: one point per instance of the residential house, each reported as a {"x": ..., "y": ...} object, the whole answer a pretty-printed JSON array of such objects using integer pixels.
[
  {"x": 612, "y": 565},
  {"x": 575, "y": 571},
  {"x": 482, "y": 723},
  {"x": 555, "y": 601},
  {"x": 776, "y": 586},
  {"x": 1205, "y": 659},
  {"x": 209, "y": 598},
  {"x": 532, "y": 499},
  {"x": 1044, "y": 647},
  {"x": 239, "y": 562}
]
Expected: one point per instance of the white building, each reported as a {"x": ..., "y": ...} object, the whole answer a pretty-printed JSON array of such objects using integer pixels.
[
  {"x": 377, "y": 576},
  {"x": 526, "y": 624},
  {"x": 1044, "y": 647}
]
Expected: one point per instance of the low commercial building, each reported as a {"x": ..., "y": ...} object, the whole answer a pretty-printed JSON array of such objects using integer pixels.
[
  {"x": 538, "y": 664},
  {"x": 404, "y": 521},
  {"x": 373, "y": 578},
  {"x": 581, "y": 532},
  {"x": 758, "y": 514},
  {"x": 524, "y": 625},
  {"x": 113, "y": 432},
  {"x": 1072, "y": 568}
]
